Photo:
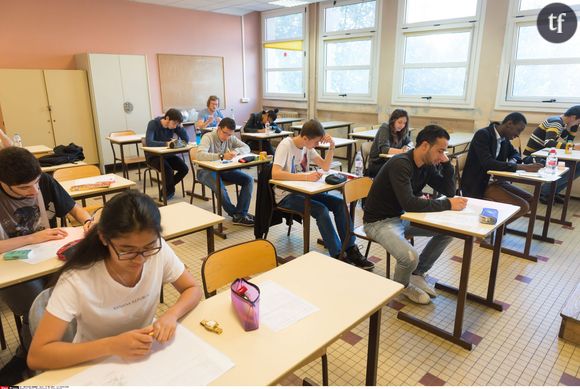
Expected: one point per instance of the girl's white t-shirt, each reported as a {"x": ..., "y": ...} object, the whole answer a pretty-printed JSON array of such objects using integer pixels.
[{"x": 102, "y": 306}]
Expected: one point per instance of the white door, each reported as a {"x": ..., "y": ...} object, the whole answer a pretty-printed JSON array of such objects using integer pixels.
[{"x": 136, "y": 91}]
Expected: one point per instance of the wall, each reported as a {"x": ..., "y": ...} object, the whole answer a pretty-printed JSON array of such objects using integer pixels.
[{"x": 40, "y": 34}]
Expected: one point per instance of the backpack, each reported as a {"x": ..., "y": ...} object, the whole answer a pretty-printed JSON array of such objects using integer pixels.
[{"x": 63, "y": 154}]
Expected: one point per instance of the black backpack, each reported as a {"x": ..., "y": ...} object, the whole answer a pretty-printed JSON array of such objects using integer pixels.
[{"x": 63, "y": 154}]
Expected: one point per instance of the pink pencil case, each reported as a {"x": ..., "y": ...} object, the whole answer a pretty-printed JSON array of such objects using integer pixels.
[{"x": 246, "y": 303}]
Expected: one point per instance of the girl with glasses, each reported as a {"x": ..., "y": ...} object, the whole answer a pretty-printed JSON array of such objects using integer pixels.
[{"x": 111, "y": 285}]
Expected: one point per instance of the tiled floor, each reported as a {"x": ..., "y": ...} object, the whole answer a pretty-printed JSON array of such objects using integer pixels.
[{"x": 519, "y": 346}]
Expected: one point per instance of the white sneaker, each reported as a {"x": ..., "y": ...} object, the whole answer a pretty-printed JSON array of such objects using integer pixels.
[
  {"x": 416, "y": 295},
  {"x": 421, "y": 283}
]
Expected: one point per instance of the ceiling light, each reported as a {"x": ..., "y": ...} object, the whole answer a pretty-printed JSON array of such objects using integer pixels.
[{"x": 288, "y": 3}]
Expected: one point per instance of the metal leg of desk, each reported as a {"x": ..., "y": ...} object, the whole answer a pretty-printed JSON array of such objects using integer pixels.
[
  {"x": 218, "y": 196},
  {"x": 163, "y": 186},
  {"x": 373, "y": 348},
  {"x": 349, "y": 157},
  {"x": 306, "y": 224},
  {"x": 210, "y": 240},
  {"x": 571, "y": 175},
  {"x": 124, "y": 168},
  {"x": 544, "y": 235}
]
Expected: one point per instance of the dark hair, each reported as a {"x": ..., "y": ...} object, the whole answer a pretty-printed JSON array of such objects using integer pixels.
[
  {"x": 515, "y": 118},
  {"x": 129, "y": 211},
  {"x": 272, "y": 114},
  {"x": 228, "y": 123},
  {"x": 397, "y": 114},
  {"x": 174, "y": 114},
  {"x": 18, "y": 166},
  {"x": 430, "y": 134},
  {"x": 573, "y": 111},
  {"x": 212, "y": 98},
  {"x": 312, "y": 129}
]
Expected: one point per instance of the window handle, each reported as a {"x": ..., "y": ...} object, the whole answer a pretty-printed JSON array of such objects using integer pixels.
[
  {"x": 427, "y": 97},
  {"x": 549, "y": 101},
  {"x": 342, "y": 95}
]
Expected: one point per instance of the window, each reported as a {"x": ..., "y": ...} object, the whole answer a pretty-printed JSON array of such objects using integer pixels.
[
  {"x": 536, "y": 74},
  {"x": 284, "y": 54},
  {"x": 348, "y": 47},
  {"x": 437, "y": 50}
]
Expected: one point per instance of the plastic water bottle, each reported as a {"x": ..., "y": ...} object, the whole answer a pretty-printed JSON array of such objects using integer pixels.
[
  {"x": 358, "y": 164},
  {"x": 232, "y": 114},
  {"x": 17, "y": 140},
  {"x": 552, "y": 162}
]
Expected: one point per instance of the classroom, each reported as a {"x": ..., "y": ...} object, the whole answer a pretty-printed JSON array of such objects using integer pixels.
[{"x": 290, "y": 192}]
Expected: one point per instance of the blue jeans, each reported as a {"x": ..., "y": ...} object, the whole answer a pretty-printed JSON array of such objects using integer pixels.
[
  {"x": 390, "y": 233},
  {"x": 561, "y": 183},
  {"x": 238, "y": 177},
  {"x": 321, "y": 206}
]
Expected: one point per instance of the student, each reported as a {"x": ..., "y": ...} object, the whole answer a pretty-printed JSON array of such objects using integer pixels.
[
  {"x": 491, "y": 149},
  {"x": 5, "y": 141},
  {"x": 258, "y": 122},
  {"x": 221, "y": 145},
  {"x": 398, "y": 189},
  {"x": 160, "y": 132},
  {"x": 292, "y": 161},
  {"x": 555, "y": 132},
  {"x": 210, "y": 116},
  {"x": 392, "y": 138},
  {"x": 30, "y": 202},
  {"x": 111, "y": 285}
]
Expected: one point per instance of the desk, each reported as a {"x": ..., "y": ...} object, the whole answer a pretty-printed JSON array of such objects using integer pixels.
[
  {"x": 282, "y": 121},
  {"x": 218, "y": 167},
  {"x": 122, "y": 141},
  {"x": 457, "y": 139},
  {"x": 536, "y": 181},
  {"x": 463, "y": 225},
  {"x": 51, "y": 169},
  {"x": 261, "y": 136},
  {"x": 39, "y": 150},
  {"x": 328, "y": 126},
  {"x": 339, "y": 142},
  {"x": 368, "y": 135},
  {"x": 119, "y": 185},
  {"x": 162, "y": 152},
  {"x": 571, "y": 160},
  {"x": 307, "y": 189},
  {"x": 257, "y": 362},
  {"x": 210, "y": 129}
]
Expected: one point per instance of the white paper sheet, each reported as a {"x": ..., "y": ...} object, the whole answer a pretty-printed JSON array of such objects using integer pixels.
[
  {"x": 468, "y": 217},
  {"x": 95, "y": 180},
  {"x": 47, "y": 250},
  {"x": 186, "y": 361},
  {"x": 280, "y": 308}
]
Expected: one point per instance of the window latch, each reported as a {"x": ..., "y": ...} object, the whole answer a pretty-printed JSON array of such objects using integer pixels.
[
  {"x": 342, "y": 95},
  {"x": 549, "y": 101},
  {"x": 427, "y": 97}
]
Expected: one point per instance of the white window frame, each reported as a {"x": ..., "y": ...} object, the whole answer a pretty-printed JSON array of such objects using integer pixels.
[
  {"x": 303, "y": 96},
  {"x": 370, "y": 33},
  {"x": 473, "y": 24},
  {"x": 504, "y": 99}
]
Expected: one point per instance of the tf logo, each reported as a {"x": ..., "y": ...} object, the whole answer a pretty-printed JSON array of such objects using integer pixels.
[{"x": 557, "y": 23}]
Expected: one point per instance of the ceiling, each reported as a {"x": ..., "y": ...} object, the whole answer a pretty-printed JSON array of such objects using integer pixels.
[{"x": 230, "y": 7}]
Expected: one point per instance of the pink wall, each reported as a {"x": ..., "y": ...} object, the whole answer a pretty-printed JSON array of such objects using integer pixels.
[{"x": 41, "y": 34}]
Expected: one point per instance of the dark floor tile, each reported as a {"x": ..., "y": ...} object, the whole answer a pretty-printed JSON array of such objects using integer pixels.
[
  {"x": 471, "y": 337},
  {"x": 177, "y": 242},
  {"x": 542, "y": 258},
  {"x": 503, "y": 304},
  {"x": 523, "y": 279},
  {"x": 569, "y": 380},
  {"x": 291, "y": 380},
  {"x": 350, "y": 338},
  {"x": 457, "y": 258},
  {"x": 396, "y": 305},
  {"x": 285, "y": 260},
  {"x": 568, "y": 228},
  {"x": 556, "y": 241},
  {"x": 431, "y": 380},
  {"x": 374, "y": 259}
]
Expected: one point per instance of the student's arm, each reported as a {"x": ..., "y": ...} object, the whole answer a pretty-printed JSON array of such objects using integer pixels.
[
  {"x": 327, "y": 161},
  {"x": 279, "y": 174},
  {"x": 4, "y": 139},
  {"x": 203, "y": 153},
  {"x": 182, "y": 134},
  {"x": 444, "y": 180},
  {"x": 150, "y": 136},
  {"x": 480, "y": 145},
  {"x": 190, "y": 294},
  {"x": 384, "y": 142},
  {"x": 553, "y": 132},
  {"x": 48, "y": 351},
  {"x": 252, "y": 125},
  {"x": 239, "y": 146},
  {"x": 37, "y": 237},
  {"x": 82, "y": 216}
]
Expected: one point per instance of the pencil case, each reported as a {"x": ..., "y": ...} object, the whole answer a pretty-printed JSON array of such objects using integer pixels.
[
  {"x": 488, "y": 216},
  {"x": 246, "y": 303}
]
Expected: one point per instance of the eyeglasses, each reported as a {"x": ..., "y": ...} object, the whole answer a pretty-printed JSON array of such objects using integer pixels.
[
  {"x": 129, "y": 255},
  {"x": 225, "y": 132}
]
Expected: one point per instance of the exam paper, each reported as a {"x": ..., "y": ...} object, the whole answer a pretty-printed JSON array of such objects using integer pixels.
[
  {"x": 95, "y": 180},
  {"x": 186, "y": 361},
  {"x": 280, "y": 308},
  {"x": 466, "y": 218}
]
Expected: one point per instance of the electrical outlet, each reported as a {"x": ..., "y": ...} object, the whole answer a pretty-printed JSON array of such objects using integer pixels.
[{"x": 244, "y": 100}]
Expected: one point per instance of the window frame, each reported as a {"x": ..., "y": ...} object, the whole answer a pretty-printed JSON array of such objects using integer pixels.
[
  {"x": 372, "y": 33},
  {"x": 474, "y": 24},
  {"x": 303, "y": 96},
  {"x": 504, "y": 98}
]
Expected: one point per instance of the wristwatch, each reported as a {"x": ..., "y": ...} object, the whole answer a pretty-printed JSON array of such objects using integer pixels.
[
  {"x": 211, "y": 325},
  {"x": 222, "y": 156}
]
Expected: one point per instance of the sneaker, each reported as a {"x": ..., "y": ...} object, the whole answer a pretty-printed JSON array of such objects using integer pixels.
[
  {"x": 243, "y": 221},
  {"x": 558, "y": 199},
  {"x": 416, "y": 295},
  {"x": 354, "y": 256},
  {"x": 14, "y": 371},
  {"x": 170, "y": 196},
  {"x": 250, "y": 216},
  {"x": 422, "y": 283}
]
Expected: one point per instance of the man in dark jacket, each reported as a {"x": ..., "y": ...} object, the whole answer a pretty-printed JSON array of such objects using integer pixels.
[
  {"x": 262, "y": 122},
  {"x": 491, "y": 149}
]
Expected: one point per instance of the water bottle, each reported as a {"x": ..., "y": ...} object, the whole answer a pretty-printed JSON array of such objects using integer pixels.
[
  {"x": 232, "y": 114},
  {"x": 17, "y": 140},
  {"x": 552, "y": 162},
  {"x": 358, "y": 164}
]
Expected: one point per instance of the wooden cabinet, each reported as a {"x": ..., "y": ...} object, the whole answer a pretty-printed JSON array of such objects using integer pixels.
[
  {"x": 119, "y": 93},
  {"x": 48, "y": 107}
]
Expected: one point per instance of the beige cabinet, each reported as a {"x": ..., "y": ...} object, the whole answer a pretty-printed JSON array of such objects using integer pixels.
[
  {"x": 48, "y": 107},
  {"x": 119, "y": 88}
]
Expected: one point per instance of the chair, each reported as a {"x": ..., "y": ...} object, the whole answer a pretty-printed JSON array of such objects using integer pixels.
[
  {"x": 365, "y": 149},
  {"x": 193, "y": 157},
  {"x": 151, "y": 168},
  {"x": 37, "y": 310},
  {"x": 458, "y": 162},
  {"x": 125, "y": 160},
  {"x": 243, "y": 260}
]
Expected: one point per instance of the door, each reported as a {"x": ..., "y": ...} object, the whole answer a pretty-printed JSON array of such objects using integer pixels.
[
  {"x": 136, "y": 91},
  {"x": 72, "y": 119},
  {"x": 25, "y": 108}
]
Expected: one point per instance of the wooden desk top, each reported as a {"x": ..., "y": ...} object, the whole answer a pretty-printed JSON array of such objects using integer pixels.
[
  {"x": 574, "y": 156},
  {"x": 257, "y": 361},
  {"x": 182, "y": 218},
  {"x": 327, "y": 125},
  {"x": 167, "y": 151},
  {"x": 39, "y": 149},
  {"x": 338, "y": 142},
  {"x": 263, "y": 135},
  {"x": 531, "y": 177},
  {"x": 120, "y": 183},
  {"x": 50, "y": 169},
  {"x": 287, "y": 120},
  {"x": 460, "y": 138},
  {"x": 368, "y": 134},
  {"x": 210, "y": 129},
  {"x": 306, "y": 187},
  {"x": 221, "y": 166},
  {"x": 126, "y": 139},
  {"x": 466, "y": 221}
]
